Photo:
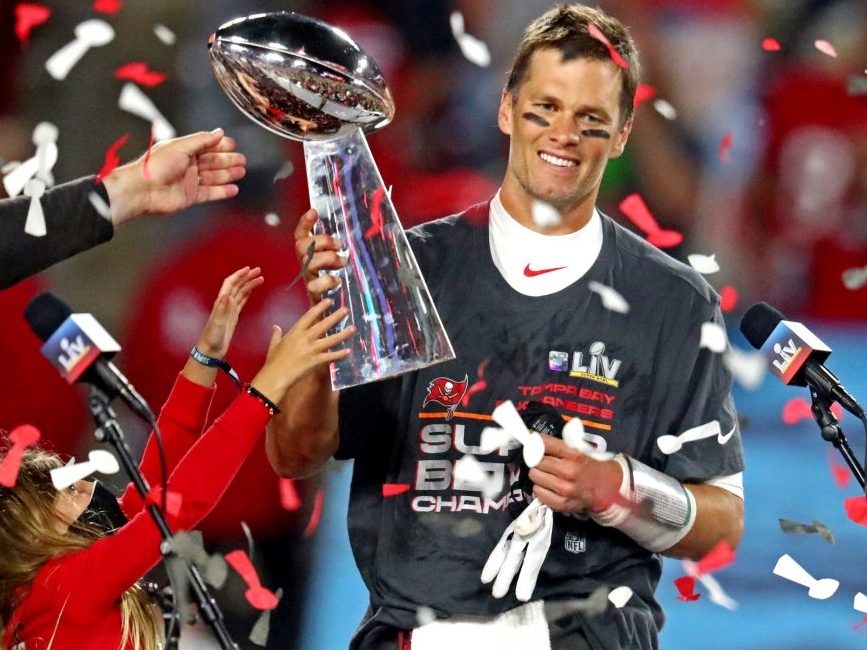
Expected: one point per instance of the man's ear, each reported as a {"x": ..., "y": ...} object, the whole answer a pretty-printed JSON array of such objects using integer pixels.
[
  {"x": 504, "y": 114},
  {"x": 621, "y": 138}
]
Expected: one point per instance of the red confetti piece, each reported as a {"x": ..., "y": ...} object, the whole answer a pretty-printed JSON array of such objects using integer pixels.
[
  {"x": 839, "y": 471},
  {"x": 112, "y": 160},
  {"x": 725, "y": 146},
  {"x": 596, "y": 33},
  {"x": 825, "y": 48},
  {"x": 27, "y": 16},
  {"x": 316, "y": 515},
  {"x": 109, "y": 7},
  {"x": 798, "y": 408},
  {"x": 257, "y": 595},
  {"x": 859, "y": 626},
  {"x": 140, "y": 73},
  {"x": 147, "y": 158},
  {"x": 22, "y": 436},
  {"x": 771, "y": 45},
  {"x": 686, "y": 589},
  {"x": 719, "y": 557},
  {"x": 633, "y": 206},
  {"x": 289, "y": 498},
  {"x": 478, "y": 386},
  {"x": 643, "y": 93},
  {"x": 728, "y": 298},
  {"x": 856, "y": 509},
  {"x": 393, "y": 489}
]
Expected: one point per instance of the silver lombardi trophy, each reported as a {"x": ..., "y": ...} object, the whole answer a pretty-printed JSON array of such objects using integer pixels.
[{"x": 306, "y": 80}]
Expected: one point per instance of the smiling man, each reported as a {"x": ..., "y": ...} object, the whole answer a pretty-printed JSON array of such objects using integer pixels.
[{"x": 520, "y": 298}]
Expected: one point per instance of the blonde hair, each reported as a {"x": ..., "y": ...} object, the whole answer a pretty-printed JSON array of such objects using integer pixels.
[{"x": 29, "y": 539}]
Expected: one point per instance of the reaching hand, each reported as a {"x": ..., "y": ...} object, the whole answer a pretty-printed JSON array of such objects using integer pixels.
[
  {"x": 304, "y": 347},
  {"x": 217, "y": 332},
  {"x": 174, "y": 175}
]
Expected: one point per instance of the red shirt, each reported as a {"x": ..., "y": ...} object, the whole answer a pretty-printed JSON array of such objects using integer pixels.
[{"x": 75, "y": 599}]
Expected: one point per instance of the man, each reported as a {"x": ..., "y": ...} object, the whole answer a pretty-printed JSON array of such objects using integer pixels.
[
  {"x": 520, "y": 304},
  {"x": 176, "y": 174}
]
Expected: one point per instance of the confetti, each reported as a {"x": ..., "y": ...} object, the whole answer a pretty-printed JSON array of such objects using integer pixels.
[
  {"x": 35, "y": 222},
  {"x": 478, "y": 386},
  {"x": 771, "y": 45},
  {"x": 796, "y": 528},
  {"x": 860, "y": 602},
  {"x": 257, "y": 595},
  {"x": 262, "y": 627},
  {"x": 289, "y": 498},
  {"x": 686, "y": 589},
  {"x": 643, "y": 93},
  {"x": 164, "y": 34},
  {"x": 728, "y": 298},
  {"x": 665, "y": 109},
  {"x": 315, "y": 515},
  {"x": 545, "y": 215},
  {"x": 139, "y": 72},
  {"x": 424, "y": 615},
  {"x": 856, "y": 509},
  {"x": 669, "y": 444},
  {"x": 470, "y": 474},
  {"x": 619, "y": 596},
  {"x": 109, "y": 7},
  {"x": 45, "y": 138},
  {"x": 594, "y": 605},
  {"x": 272, "y": 219},
  {"x": 23, "y": 436},
  {"x": 133, "y": 100},
  {"x": 855, "y": 278},
  {"x": 787, "y": 567},
  {"x": 725, "y": 146},
  {"x": 27, "y": 16},
  {"x": 798, "y": 408},
  {"x": 718, "y": 558},
  {"x": 713, "y": 337},
  {"x": 825, "y": 47},
  {"x": 393, "y": 489},
  {"x": 576, "y": 437},
  {"x": 285, "y": 171},
  {"x": 100, "y": 205},
  {"x": 90, "y": 33},
  {"x": 748, "y": 367},
  {"x": 633, "y": 206},
  {"x": 190, "y": 546},
  {"x": 611, "y": 299},
  {"x": 507, "y": 416},
  {"x": 98, "y": 460},
  {"x": 112, "y": 160},
  {"x": 839, "y": 471},
  {"x": 596, "y": 33},
  {"x": 474, "y": 50},
  {"x": 704, "y": 264}
]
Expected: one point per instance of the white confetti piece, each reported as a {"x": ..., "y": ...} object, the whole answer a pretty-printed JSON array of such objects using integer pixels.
[
  {"x": 576, "y": 437},
  {"x": 272, "y": 219},
  {"x": 665, "y": 109},
  {"x": 825, "y": 47},
  {"x": 494, "y": 438},
  {"x": 860, "y": 602},
  {"x": 470, "y": 474},
  {"x": 285, "y": 171},
  {"x": 100, "y": 205},
  {"x": 545, "y": 215},
  {"x": 704, "y": 264},
  {"x": 747, "y": 367},
  {"x": 165, "y": 35},
  {"x": 90, "y": 33},
  {"x": 98, "y": 461},
  {"x": 713, "y": 337},
  {"x": 474, "y": 50},
  {"x": 820, "y": 589},
  {"x": 855, "y": 278},
  {"x": 35, "y": 223},
  {"x": 619, "y": 596},
  {"x": 507, "y": 416},
  {"x": 133, "y": 100},
  {"x": 424, "y": 615},
  {"x": 45, "y": 138},
  {"x": 611, "y": 299}
]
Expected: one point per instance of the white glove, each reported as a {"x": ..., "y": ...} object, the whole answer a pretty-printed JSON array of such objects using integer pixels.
[{"x": 530, "y": 532}]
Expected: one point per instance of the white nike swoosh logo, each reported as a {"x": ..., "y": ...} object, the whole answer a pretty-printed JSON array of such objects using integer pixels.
[{"x": 723, "y": 439}]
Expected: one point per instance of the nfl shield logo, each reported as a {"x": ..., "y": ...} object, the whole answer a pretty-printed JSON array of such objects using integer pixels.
[{"x": 575, "y": 543}]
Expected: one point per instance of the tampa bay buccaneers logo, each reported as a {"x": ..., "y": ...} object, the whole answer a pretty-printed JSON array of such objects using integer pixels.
[{"x": 447, "y": 392}]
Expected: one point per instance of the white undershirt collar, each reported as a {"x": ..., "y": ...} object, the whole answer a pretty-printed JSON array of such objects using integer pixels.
[{"x": 538, "y": 265}]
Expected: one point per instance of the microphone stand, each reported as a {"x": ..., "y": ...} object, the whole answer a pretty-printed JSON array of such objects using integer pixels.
[
  {"x": 108, "y": 430},
  {"x": 831, "y": 432}
]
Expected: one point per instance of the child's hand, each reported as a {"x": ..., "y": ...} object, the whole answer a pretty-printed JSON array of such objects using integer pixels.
[
  {"x": 217, "y": 332},
  {"x": 304, "y": 347}
]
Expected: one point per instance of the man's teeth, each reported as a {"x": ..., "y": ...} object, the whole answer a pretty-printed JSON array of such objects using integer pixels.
[{"x": 554, "y": 160}]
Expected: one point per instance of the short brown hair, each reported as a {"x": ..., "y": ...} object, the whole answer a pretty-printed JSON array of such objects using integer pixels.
[{"x": 566, "y": 28}]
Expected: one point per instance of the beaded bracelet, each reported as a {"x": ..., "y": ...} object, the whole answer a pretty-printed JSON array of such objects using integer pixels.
[{"x": 271, "y": 406}]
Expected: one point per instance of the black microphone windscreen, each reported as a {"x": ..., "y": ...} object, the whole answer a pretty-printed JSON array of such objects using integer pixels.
[
  {"x": 758, "y": 322},
  {"x": 45, "y": 313}
]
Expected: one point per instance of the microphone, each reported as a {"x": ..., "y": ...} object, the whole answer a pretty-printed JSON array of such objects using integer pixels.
[
  {"x": 795, "y": 354},
  {"x": 80, "y": 348}
]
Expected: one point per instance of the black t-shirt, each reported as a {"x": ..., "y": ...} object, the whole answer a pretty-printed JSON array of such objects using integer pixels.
[{"x": 630, "y": 378}]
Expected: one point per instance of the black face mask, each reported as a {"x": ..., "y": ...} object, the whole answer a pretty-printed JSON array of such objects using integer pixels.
[{"x": 103, "y": 511}]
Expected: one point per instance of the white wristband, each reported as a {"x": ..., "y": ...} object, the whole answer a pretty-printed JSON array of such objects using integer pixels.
[{"x": 639, "y": 523}]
